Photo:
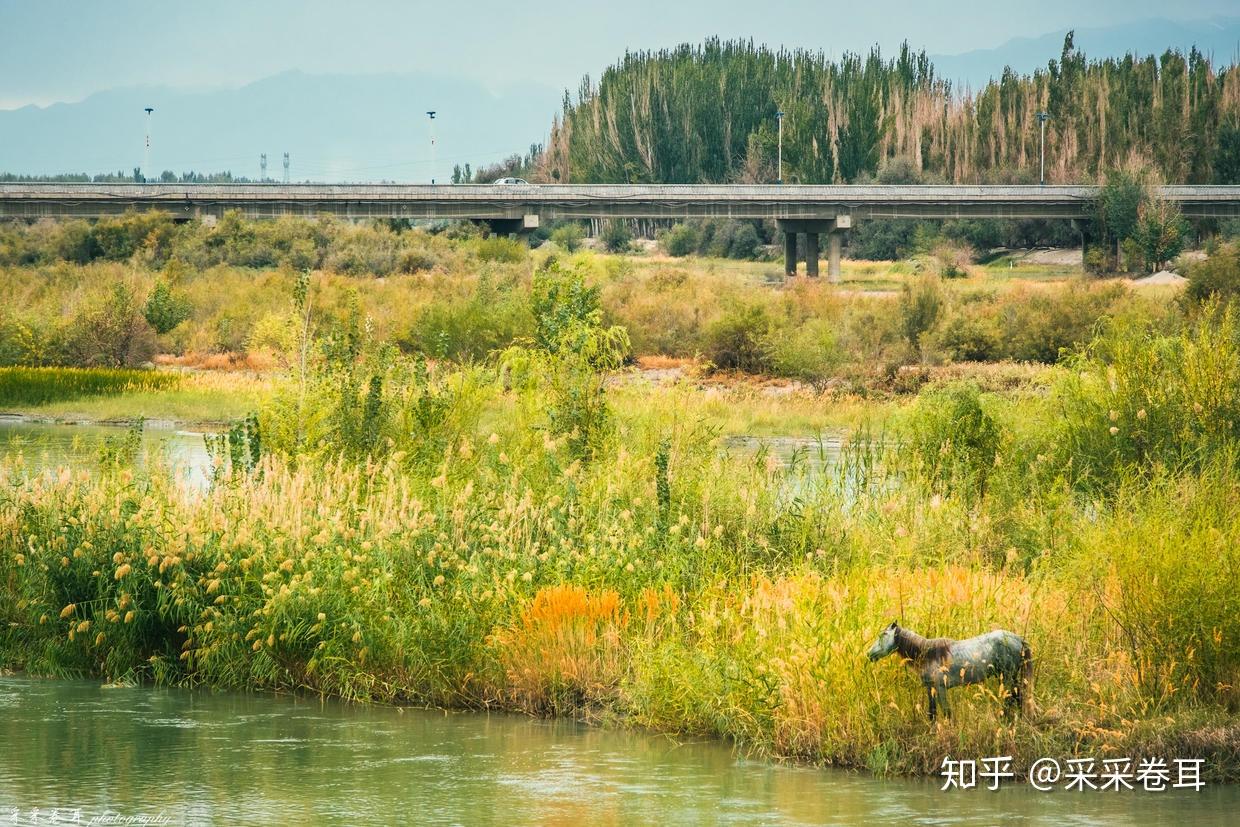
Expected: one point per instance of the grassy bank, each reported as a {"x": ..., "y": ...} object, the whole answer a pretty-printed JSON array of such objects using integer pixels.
[
  {"x": 517, "y": 578},
  {"x": 126, "y": 395},
  {"x": 526, "y": 535}
]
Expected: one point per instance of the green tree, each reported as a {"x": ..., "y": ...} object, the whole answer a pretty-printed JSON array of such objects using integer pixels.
[
  {"x": 1119, "y": 205},
  {"x": 166, "y": 308},
  {"x": 1160, "y": 232},
  {"x": 1227, "y": 153}
]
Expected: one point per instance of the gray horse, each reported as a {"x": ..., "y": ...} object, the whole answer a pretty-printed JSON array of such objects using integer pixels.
[{"x": 942, "y": 663}]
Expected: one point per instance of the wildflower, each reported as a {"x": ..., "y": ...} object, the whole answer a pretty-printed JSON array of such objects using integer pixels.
[
  {"x": 528, "y": 576},
  {"x": 425, "y": 602},
  {"x": 1114, "y": 415},
  {"x": 322, "y": 617},
  {"x": 122, "y": 571},
  {"x": 287, "y": 565},
  {"x": 68, "y": 610},
  {"x": 439, "y": 580},
  {"x": 1141, "y": 414},
  {"x": 1114, "y": 430},
  {"x": 493, "y": 439}
]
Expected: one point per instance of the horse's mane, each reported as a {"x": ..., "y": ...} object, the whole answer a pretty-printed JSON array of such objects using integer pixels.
[{"x": 914, "y": 647}]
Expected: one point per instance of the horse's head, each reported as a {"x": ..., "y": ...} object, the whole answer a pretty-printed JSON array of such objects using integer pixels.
[{"x": 886, "y": 643}]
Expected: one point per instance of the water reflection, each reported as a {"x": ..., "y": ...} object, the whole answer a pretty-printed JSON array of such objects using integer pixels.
[{"x": 43, "y": 445}]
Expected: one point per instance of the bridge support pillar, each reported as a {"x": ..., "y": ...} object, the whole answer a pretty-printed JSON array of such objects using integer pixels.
[
  {"x": 835, "y": 241},
  {"x": 790, "y": 253},
  {"x": 811, "y": 255},
  {"x": 813, "y": 228}
]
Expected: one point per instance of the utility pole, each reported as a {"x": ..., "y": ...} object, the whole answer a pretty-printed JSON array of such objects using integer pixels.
[
  {"x": 286, "y": 167},
  {"x": 431, "y": 114},
  {"x": 1043, "y": 117},
  {"x": 146, "y": 156},
  {"x": 262, "y": 165},
  {"x": 779, "y": 163}
]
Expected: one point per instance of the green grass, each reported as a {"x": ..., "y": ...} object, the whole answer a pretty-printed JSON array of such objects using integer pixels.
[
  {"x": 99, "y": 395},
  {"x": 26, "y": 386}
]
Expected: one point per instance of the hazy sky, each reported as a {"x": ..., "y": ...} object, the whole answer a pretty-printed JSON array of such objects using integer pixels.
[{"x": 57, "y": 50}]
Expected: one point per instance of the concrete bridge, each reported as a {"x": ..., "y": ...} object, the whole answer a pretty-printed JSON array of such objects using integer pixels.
[{"x": 810, "y": 210}]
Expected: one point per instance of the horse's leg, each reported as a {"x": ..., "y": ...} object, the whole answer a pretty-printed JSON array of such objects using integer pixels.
[
  {"x": 1012, "y": 701},
  {"x": 930, "y": 692},
  {"x": 947, "y": 710}
]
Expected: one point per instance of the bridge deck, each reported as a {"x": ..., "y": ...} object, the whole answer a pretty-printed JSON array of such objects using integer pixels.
[{"x": 551, "y": 202}]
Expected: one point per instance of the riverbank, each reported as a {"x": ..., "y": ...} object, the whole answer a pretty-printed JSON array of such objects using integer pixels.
[
  {"x": 483, "y": 557},
  {"x": 479, "y": 598},
  {"x": 108, "y": 396}
]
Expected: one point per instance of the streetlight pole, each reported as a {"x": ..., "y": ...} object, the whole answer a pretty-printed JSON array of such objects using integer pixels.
[
  {"x": 1043, "y": 117},
  {"x": 146, "y": 156},
  {"x": 431, "y": 115},
  {"x": 779, "y": 163}
]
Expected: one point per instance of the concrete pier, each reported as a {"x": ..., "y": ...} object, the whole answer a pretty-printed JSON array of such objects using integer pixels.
[
  {"x": 835, "y": 241},
  {"x": 811, "y": 255},
  {"x": 813, "y": 229}
]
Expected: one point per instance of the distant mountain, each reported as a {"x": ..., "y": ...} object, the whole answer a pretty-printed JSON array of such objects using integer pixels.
[
  {"x": 335, "y": 128},
  {"x": 1217, "y": 37}
]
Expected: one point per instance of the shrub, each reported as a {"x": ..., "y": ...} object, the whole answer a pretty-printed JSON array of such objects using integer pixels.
[
  {"x": 616, "y": 235},
  {"x": 921, "y": 305},
  {"x": 1138, "y": 399},
  {"x": 568, "y": 236},
  {"x": 970, "y": 338},
  {"x": 165, "y": 308},
  {"x": 1036, "y": 326},
  {"x": 953, "y": 258},
  {"x": 951, "y": 440},
  {"x": 736, "y": 341},
  {"x": 111, "y": 332},
  {"x": 499, "y": 249},
  {"x": 1217, "y": 276},
  {"x": 808, "y": 351},
  {"x": 680, "y": 240}
]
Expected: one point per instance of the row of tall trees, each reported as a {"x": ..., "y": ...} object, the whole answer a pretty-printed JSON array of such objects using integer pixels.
[{"x": 708, "y": 114}]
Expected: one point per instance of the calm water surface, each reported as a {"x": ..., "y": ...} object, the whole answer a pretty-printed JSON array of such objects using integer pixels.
[
  {"x": 200, "y": 757},
  {"x": 53, "y": 445}
]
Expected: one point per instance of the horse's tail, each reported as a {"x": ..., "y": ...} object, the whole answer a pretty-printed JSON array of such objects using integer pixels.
[{"x": 1025, "y": 681}]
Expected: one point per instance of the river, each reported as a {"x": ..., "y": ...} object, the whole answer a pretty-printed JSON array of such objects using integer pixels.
[{"x": 201, "y": 757}]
